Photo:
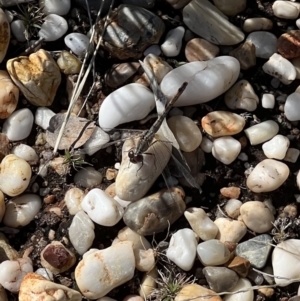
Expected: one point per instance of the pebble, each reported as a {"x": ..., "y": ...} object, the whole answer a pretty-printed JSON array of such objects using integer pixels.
[
  {"x": 200, "y": 50},
  {"x": 245, "y": 54},
  {"x": 34, "y": 287},
  {"x": 265, "y": 43},
  {"x": 207, "y": 21},
  {"x": 213, "y": 252},
  {"x": 173, "y": 42},
  {"x": 256, "y": 250},
  {"x": 5, "y": 36},
  {"x": 182, "y": 248},
  {"x": 268, "y": 101},
  {"x": 292, "y": 107},
  {"x": 78, "y": 43},
  {"x": 25, "y": 152},
  {"x": 220, "y": 279},
  {"x": 257, "y": 24},
  {"x": 246, "y": 294},
  {"x": 240, "y": 265},
  {"x": 43, "y": 116},
  {"x": 268, "y": 175},
  {"x": 17, "y": 28},
  {"x": 288, "y": 44},
  {"x": 230, "y": 192},
  {"x": 279, "y": 67},
  {"x": 68, "y": 63},
  {"x": 241, "y": 96},
  {"x": 285, "y": 261},
  {"x": 53, "y": 28},
  {"x": 276, "y": 148},
  {"x": 206, "y": 145},
  {"x": 96, "y": 142},
  {"x": 201, "y": 75},
  {"x": 153, "y": 49},
  {"x": 196, "y": 292},
  {"x": 231, "y": 7},
  {"x": 3, "y": 295},
  {"x": 262, "y": 132},
  {"x": 230, "y": 230},
  {"x": 292, "y": 155},
  {"x": 101, "y": 208},
  {"x": 15, "y": 175},
  {"x": 257, "y": 216},
  {"x": 18, "y": 125},
  {"x": 201, "y": 224},
  {"x": 178, "y": 4},
  {"x": 148, "y": 283},
  {"x": 115, "y": 264},
  {"x": 186, "y": 132},
  {"x": 155, "y": 213},
  {"x": 59, "y": 7},
  {"x": 88, "y": 177},
  {"x": 81, "y": 232},
  {"x": 226, "y": 149},
  {"x": 232, "y": 208},
  {"x": 285, "y": 10},
  {"x": 7, "y": 251}
]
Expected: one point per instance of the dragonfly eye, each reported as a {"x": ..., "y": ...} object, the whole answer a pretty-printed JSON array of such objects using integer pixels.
[{"x": 131, "y": 154}]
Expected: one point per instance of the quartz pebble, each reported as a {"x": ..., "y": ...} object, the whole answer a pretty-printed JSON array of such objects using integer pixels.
[
  {"x": 78, "y": 43},
  {"x": 232, "y": 208},
  {"x": 207, "y": 21},
  {"x": 230, "y": 192},
  {"x": 285, "y": 10},
  {"x": 115, "y": 265},
  {"x": 97, "y": 140},
  {"x": 18, "y": 125},
  {"x": 173, "y": 42},
  {"x": 241, "y": 96},
  {"x": 257, "y": 24},
  {"x": 25, "y": 152},
  {"x": 226, "y": 149},
  {"x": 43, "y": 116},
  {"x": 200, "y": 50},
  {"x": 53, "y": 28},
  {"x": 277, "y": 147},
  {"x": 268, "y": 175},
  {"x": 268, "y": 101},
  {"x": 206, "y": 145},
  {"x": 59, "y": 7},
  {"x": 88, "y": 177},
  {"x": 201, "y": 75},
  {"x": 288, "y": 44},
  {"x": 257, "y": 216},
  {"x": 182, "y": 248},
  {"x": 280, "y": 68},
  {"x": 45, "y": 273},
  {"x": 201, "y": 224},
  {"x": 81, "y": 232},
  {"x": 246, "y": 294},
  {"x": 5, "y": 30},
  {"x": 73, "y": 199},
  {"x": 196, "y": 292},
  {"x": 148, "y": 283},
  {"x": 262, "y": 132},
  {"x": 230, "y": 230},
  {"x": 292, "y": 107},
  {"x": 17, "y": 29},
  {"x": 68, "y": 63},
  {"x": 292, "y": 155},
  {"x": 245, "y": 54},
  {"x": 101, "y": 208}
]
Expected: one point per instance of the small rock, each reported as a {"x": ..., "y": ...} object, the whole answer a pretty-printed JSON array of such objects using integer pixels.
[
  {"x": 25, "y": 152},
  {"x": 153, "y": 49},
  {"x": 196, "y": 292},
  {"x": 178, "y": 4},
  {"x": 173, "y": 42},
  {"x": 5, "y": 34},
  {"x": 232, "y": 208},
  {"x": 7, "y": 251},
  {"x": 200, "y": 50},
  {"x": 231, "y": 7},
  {"x": 4, "y": 146},
  {"x": 240, "y": 265},
  {"x": 292, "y": 107},
  {"x": 243, "y": 285},
  {"x": 285, "y": 9},
  {"x": 78, "y": 43},
  {"x": 53, "y": 28},
  {"x": 292, "y": 155},
  {"x": 268, "y": 101},
  {"x": 290, "y": 211},
  {"x": 148, "y": 283},
  {"x": 288, "y": 44},
  {"x": 73, "y": 199},
  {"x": 230, "y": 230},
  {"x": 55, "y": 7},
  {"x": 43, "y": 116},
  {"x": 245, "y": 54},
  {"x": 257, "y": 216},
  {"x": 206, "y": 145},
  {"x": 231, "y": 192},
  {"x": 276, "y": 148},
  {"x": 257, "y": 24},
  {"x": 18, "y": 30},
  {"x": 68, "y": 63},
  {"x": 88, "y": 177},
  {"x": 269, "y": 292},
  {"x": 226, "y": 149}
]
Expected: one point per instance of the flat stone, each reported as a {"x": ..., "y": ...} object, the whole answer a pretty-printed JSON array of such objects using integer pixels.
[
  {"x": 288, "y": 44},
  {"x": 200, "y": 50},
  {"x": 196, "y": 292},
  {"x": 245, "y": 54},
  {"x": 240, "y": 265}
]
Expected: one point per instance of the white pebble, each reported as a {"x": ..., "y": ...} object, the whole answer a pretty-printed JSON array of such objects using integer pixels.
[
  {"x": 226, "y": 149},
  {"x": 232, "y": 208},
  {"x": 96, "y": 141},
  {"x": 292, "y": 107},
  {"x": 73, "y": 199},
  {"x": 268, "y": 175},
  {"x": 101, "y": 208},
  {"x": 285, "y": 10},
  {"x": 42, "y": 117},
  {"x": 257, "y": 24},
  {"x": 206, "y": 145},
  {"x": 18, "y": 28},
  {"x": 58, "y": 7},
  {"x": 246, "y": 293},
  {"x": 45, "y": 273},
  {"x": 292, "y": 155},
  {"x": 153, "y": 49},
  {"x": 25, "y": 152},
  {"x": 53, "y": 28},
  {"x": 173, "y": 42},
  {"x": 268, "y": 101},
  {"x": 78, "y": 43},
  {"x": 18, "y": 125},
  {"x": 262, "y": 132},
  {"x": 88, "y": 177},
  {"x": 276, "y": 148}
]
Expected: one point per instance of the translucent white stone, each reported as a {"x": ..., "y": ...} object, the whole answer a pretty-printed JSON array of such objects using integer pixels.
[
  {"x": 268, "y": 101},
  {"x": 262, "y": 132},
  {"x": 257, "y": 24},
  {"x": 292, "y": 107},
  {"x": 280, "y": 68},
  {"x": 285, "y": 10},
  {"x": 268, "y": 175},
  {"x": 277, "y": 147},
  {"x": 206, "y": 145},
  {"x": 81, "y": 232},
  {"x": 18, "y": 125},
  {"x": 45, "y": 273},
  {"x": 292, "y": 155},
  {"x": 21, "y": 210},
  {"x": 53, "y": 28},
  {"x": 173, "y": 42},
  {"x": 101, "y": 208},
  {"x": 58, "y": 7},
  {"x": 209, "y": 77},
  {"x": 43, "y": 116},
  {"x": 182, "y": 249},
  {"x": 88, "y": 177},
  {"x": 18, "y": 28},
  {"x": 96, "y": 141},
  {"x": 25, "y": 152},
  {"x": 73, "y": 199},
  {"x": 226, "y": 149},
  {"x": 232, "y": 208},
  {"x": 153, "y": 49},
  {"x": 246, "y": 294},
  {"x": 78, "y": 43}
]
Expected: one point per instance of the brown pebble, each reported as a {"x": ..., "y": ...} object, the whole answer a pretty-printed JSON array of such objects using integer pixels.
[
  {"x": 49, "y": 199},
  {"x": 243, "y": 141},
  {"x": 268, "y": 292},
  {"x": 288, "y": 44},
  {"x": 245, "y": 54},
  {"x": 4, "y": 146},
  {"x": 290, "y": 211},
  {"x": 230, "y": 192},
  {"x": 57, "y": 256},
  {"x": 111, "y": 174},
  {"x": 240, "y": 265},
  {"x": 200, "y": 50}
]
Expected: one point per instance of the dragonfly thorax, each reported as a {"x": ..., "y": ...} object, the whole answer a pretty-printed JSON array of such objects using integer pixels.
[{"x": 134, "y": 157}]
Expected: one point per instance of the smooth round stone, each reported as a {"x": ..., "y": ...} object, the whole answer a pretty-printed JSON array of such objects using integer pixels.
[
  {"x": 78, "y": 43},
  {"x": 285, "y": 261},
  {"x": 220, "y": 279},
  {"x": 245, "y": 54},
  {"x": 241, "y": 96},
  {"x": 58, "y": 7},
  {"x": 268, "y": 175},
  {"x": 288, "y": 44},
  {"x": 230, "y": 7},
  {"x": 292, "y": 107},
  {"x": 207, "y": 21},
  {"x": 226, "y": 149},
  {"x": 246, "y": 294},
  {"x": 129, "y": 103},
  {"x": 43, "y": 116},
  {"x": 186, "y": 132},
  {"x": 182, "y": 249},
  {"x": 69, "y": 63},
  {"x": 196, "y": 292},
  {"x": 53, "y": 28},
  {"x": 200, "y": 50},
  {"x": 18, "y": 125},
  {"x": 46, "y": 273},
  {"x": 265, "y": 43},
  {"x": 232, "y": 208},
  {"x": 257, "y": 24},
  {"x": 81, "y": 232},
  {"x": 97, "y": 140},
  {"x": 18, "y": 28},
  {"x": 285, "y": 10},
  {"x": 173, "y": 42},
  {"x": 25, "y": 152},
  {"x": 280, "y": 68},
  {"x": 222, "y": 123},
  {"x": 2, "y": 206},
  {"x": 101, "y": 208},
  {"x": 257, "y": 216},
  {"x": 206, "y": 145},
  {"x": 212, "y": 78},
  {"x": 230, "y": 192},
  {"x": 88, "y": 177},
  {"x": 115, "y": 264},
  {"x": 73, "y": 199},
  {"x": 153, "y": 49},
  {"x": 292, "y": 155},
  {"x": 262, "y": 132},
  {"x": 277, "y": 147},
  {"x": 268, "y": 101},
  {"x": 20, "y": 211},
  {"x": 230, "y": 230}
]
